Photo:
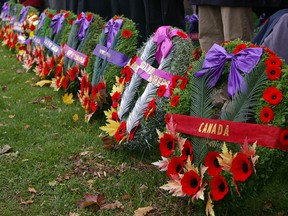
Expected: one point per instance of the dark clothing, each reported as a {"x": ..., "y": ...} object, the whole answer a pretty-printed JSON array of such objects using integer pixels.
[
  {"x": 100, "y": 7},
  {"x": 34, "y": 3},
  {"x": 230, "y": 3}
]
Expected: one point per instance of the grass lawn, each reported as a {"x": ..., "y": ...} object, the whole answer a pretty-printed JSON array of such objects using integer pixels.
[{"x": 55, "y": 161}]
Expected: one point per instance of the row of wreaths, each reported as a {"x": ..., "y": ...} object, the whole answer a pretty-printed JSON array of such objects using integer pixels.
[{"x": 98, "y": 62}]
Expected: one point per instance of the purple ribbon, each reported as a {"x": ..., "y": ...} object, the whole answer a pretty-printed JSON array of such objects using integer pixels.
[
  {"x": 84, "y": 24},
  {"x": 56, "y": 23},
  {"x": 23, "y": 14},
  {"x": 214, "y": 63},
  {"x": 192, "y": 21},
  {"x": 78, "y": 57},
  {"x": 5, "y": 10},
  {"x": 53, "y": 47},
  {"x": 163, "y": 38},
  {"x": 38, "y": 40},
  {"x": 41, "y": 20},
  {"x": 112, "y": 27}
]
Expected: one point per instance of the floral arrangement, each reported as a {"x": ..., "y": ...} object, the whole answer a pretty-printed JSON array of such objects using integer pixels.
[
  {"x": 120, "y": 35},
  {"x": 133, "y": 121}
]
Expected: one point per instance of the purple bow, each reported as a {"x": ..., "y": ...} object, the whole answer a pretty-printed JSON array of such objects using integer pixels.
[
  {"x": 163, "y": 37},
  {"x": 84, "y": 24},
  {"x": 214, "y": 63},
  {"x": 112, "y": 28},
  {"x": 41, "y": 20},
  {"x": 5, "y": 10},
  {"x": 56, "y": 23},
  {"x": 23, "y": 14},
  {"x": 192, "y": 22}
]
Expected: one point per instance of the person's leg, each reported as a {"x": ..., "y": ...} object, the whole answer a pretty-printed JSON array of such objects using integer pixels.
[
  {"x": 210, "y": 26},
  {"x": 153, "y": 15},
  {"x": 173, "y": 13},
  {"x": 237, "y": 23}
]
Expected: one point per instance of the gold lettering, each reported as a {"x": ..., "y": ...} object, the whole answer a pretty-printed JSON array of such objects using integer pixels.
[
  {"x": 205, "y": 128},
  {"x": 220, "y": 129},
  {"x": 201, "y": 125},
  {"x": 214, "y": 129},
  {"x": 226, "y": 131},
  {"x": 209, "y": 128}
]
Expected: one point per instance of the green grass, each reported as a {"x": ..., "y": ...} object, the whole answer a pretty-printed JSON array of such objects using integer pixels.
[{"x": 63, "y": 160}]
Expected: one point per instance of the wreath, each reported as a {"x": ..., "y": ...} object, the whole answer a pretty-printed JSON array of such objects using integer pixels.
[{"x": 118, "y": 40}]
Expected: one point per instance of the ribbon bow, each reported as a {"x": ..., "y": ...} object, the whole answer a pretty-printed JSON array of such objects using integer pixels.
[
  {"x": 163, "y": 39},
  {"x": 23, "y": 13},
  {"x": 56, "y": 23},
  {"x": 84, "y": 24},
  {"x": 192, "y": 21},
  {"x": 214, "y": 63},
  {"x": 41, "y": 20},
  {"x": 112, "y": 28}
]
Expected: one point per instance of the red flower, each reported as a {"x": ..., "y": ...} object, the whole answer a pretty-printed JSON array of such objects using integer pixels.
[
  {"x": 175, "y": 79},
  {"x": 161, "y": 90},
  {"x": 66, "y": 15},
  {"x": 253, "y": 46},
  {"x": 175, "y": 100},
  {"x": 101, "y": 86},
  {"x": 183, "y": 83},
  {"x": 182, "y": 34},
  {"x": 196, "y": 54},
  {"x": 274, "y": 61},
  {"x": 79, "y": 16},
  {"x": 94, "y": 92},
  {"x": 66, "y": 82},
  {"x": 150, "y": 110},
  {"x": 187, "y": 151},
  {"x": 190, "y": 183},
  {"x": 126, "y": 33},
  {"x": 284, "y": 138},
  {"x": 175, "y": 167},
  {"x": 93, "y": 106},
  {"x": 50, "y": 15},
  {"x": 71, "y": 21},
  {"x": 89, "y": 17},
  {"x": 126, "y": 74},
  {"x": 272, "y": 95},
  {"x": 212, "y": 163},
  {"x": 167, "y": 145},
  {"x": 114, "y": 116},
  {"x": 239, "y": 48},
  {"x": 219, "y": 187},
  {"x": 241, "y": 167},
  {"x": 132, "y": 133},
  {"x": 266, "y": 114},
  {"x": 115, "y": 99},
  {"x": 273, "y": 72},
  {"x": 86, "y": 61},
  {"x": 270, "y": 52},
  {"x": 120, "y": 133},
  {"x": 134, "y": 60}
]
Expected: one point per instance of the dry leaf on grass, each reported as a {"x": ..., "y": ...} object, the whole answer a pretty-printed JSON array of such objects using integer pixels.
[
  {"x": 73, "y": 214},
  {"x": 68, "y": 98},
  {"x": 32, "y": 190},
  {"x": 115, "y": 205},
  {"x": 75, "y": 117},
  {"x": 91, "y": 199},
  {"x": 43, "y": 82},
  {"x": 42, "y": 100},
  {"x": 11, "y": 116},
  {"x": 5, "y": 149},
  {"x": 28, "y": 202},
  {"x": 143, "y": 211}
]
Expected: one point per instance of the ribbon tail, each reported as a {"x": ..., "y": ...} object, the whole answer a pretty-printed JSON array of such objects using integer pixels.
[{"x": 235, "y": 81}]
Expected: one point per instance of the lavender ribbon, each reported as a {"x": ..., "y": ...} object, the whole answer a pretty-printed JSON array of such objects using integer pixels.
[
  {"x": 163, "y": 39},
  {"x": 215, "y": 60},
  {"x": 23, "y": 14},
  {"x": 112, "y": 28},
  {"x": 56, "y": 23},
  {"x": 5, "y": 10},
  {"x": 41, "y": 20},
  {"x": 192, "y": 21},
  {"x": 84, "y": 24}
]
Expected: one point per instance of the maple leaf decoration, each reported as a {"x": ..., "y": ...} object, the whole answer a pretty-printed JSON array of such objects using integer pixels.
[
  {"x": 91, "y": 199},
  {"x": 68, "y": 98}
]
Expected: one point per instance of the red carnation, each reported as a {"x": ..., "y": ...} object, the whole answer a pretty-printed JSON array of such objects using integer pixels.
[
  {"x": 182, "y": 34},
  {"x": 79, "y": 16},
  {"x": 284, "y": 138},
  {"x": 219, "y": 187},
  {"x": 93, "y": 106},
  {"x": 175, "y": 167},
  {"x": 101, "y": 86},
  {"x": 150, "y": 110},
  {"x": 120, "y": 133},
  {"x": 126, "y": 73},
  {"x": 126, "y": 33},
  {"x": 161, "y": 90},
  {"x": 211, "y": 161},
  {"x": 71, "y": 21},
  {"x": 183, "y": 83},
  {"x": 50, "y": 15},
  {"x": 175, "y": 79},
  {"x": 241, "y": 167},
  {"x": 187, "y": 151},
  {"x": 132, "y": 133},
  {"x": 133, "y": 60},
  {"x": 115, "y": 99},
  {"x": 175, "y": 100},
  {"x": 273, "y": 72},
  {"x": 266, "y": 114},
  {"x": 66, "y": 15},
  {"x": 196, "y": 54},
  {"x": 274, "y": 61},
  {"x": 239, "y": 48},
  {"x": 272, "y": 95},
  {"x": 114, "y": 116},
  {"x": 167, "y": 145},
  {"x": 89, "y": 17},
  {"x": 190, "y": 183}
]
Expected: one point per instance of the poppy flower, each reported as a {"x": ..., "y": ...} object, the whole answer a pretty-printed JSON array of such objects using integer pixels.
[
  {"x": 272, "y": 95},
  {"x": 239, "y": 48},
  {"x": 126, "y": 74},
  {"x": 219, "y": 187},
  {"x": 187, "y": 151},
  {"x": 132, "y": 133},
  {"x": 94, "y": 92},
  {"x": 101, "y": 86},
  {"x": 190, "y": 183},
  {"x": 183, "y": 83},
  {"x": 79, "y": 16},
  {"x": 126, "y": 33},
  {"x": 115, "y": 99},
  {"x": 89, "y": 17},
  {"x": 212, "y": 163},
  {"x": 253, "y": 46},
  {"x": 175, "y": 100},
  {"x": 50, "y": 15},
  {"x": 71, "y": 21},
  {"x": 266, "y": 114},
  {"x": 150, "y": 110},
  {"x": 175, "y": 167},
  {"x": 175, "y": 79},
  {"x": 66, "y": 15},
  {"x": 196, "y": 54},
  {"x": 66, "y": 82},
  {"x": 241, "y": 167},
  {"x": 161, "y": 90},
  {"x": 284, "y": 138},
  {"x": 114, "y": 116},
  {"x": 167, "y": 145},
  {"x": 121, "y": 131},
  {"x": 274, "y": 61},
  {"x": 270, "y": 52},
  {"x": 93, "y": 106},
  {"x": 182, "y": 34},
  {"x": 273, "y": 72}
]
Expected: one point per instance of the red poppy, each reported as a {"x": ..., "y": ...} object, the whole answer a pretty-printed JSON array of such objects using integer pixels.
[
  {"x": 187, "y": 151},
  {"x": 66, "y": 82},
  {"x": 66, "y": 15},
  {"x": 167, "y": 145},
  {"x": 175, "y": 100},
  {"x": 266, "y": 114},
  {"x": 132, "y": 133},
  {"x": 115, "y": 99},
  {"x": 274, "y": 61},
  {"x": 196, "y": 54},
  {"x": 79, "y": 16},
  {"x": 284, "y": 138},
  {"x": 253, "y": 46},
  {"x": 211, "y": 161},
  {"x": 273, "y": 72},
  {"x": 150, "y": 110},
  {"x": 89, "y": 17},
  {"x": 116, "y": 17},
  {"x": 161, "y": 91},
  {"x": 71, "y": 21},
  {"x": 225, "y": 42},
  {"x": 73, "y": 72},
  {"x": 134, "y": 60},
  {"x": 101, "y": 86},
  {"x": 94, "y": 92},
  {"x": 126, "y": 33},
  {"x": 175, "y": 79},
  {"x": 241, "y": 167},
  {"x": 182, "y": 34},
  {"x": 86, "y": 61},
  {"x": 93, "y": 106},
  {"x": 114, "y": 116},
  {"x": 183, "y": 83},
  {"x": 190, "y": 183},
  {"x": 270, "y": 52},
  {"x": 32, "y": 28},
  {"x": 239, "y": 47},
  {"x": 272, "y": 95},
  {"x": 175, "y": 167},
  {"x": 120, "y": 133},
  {"x": 126, "y": 74},
  {"x": 219, "y": 187},
  {"x": 50, "y": 16}
]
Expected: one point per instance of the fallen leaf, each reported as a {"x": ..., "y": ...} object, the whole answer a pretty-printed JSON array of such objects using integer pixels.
[
  {"x": 56, "y": 135},
  {"x": 108, "y": 142},
  {"x": 43, "y": 82},
  {"x": 4, "y": 87},
  {"x": 5, "y": 97},
  {"x": 11, "y": 116},
  {"x": 84, "y": 153},
  {"x": 114, "y": 205},
  {"x": 5, "y": 149},
  {"x": 68, "y": 98},
  {"x": 42, "y": 100},
  {"x": 125, "y": 197},
  {"x": 143, "y": 211},
  {"x": 53, "y": 183},
  {"x": 28, "y": 202},
  {"x": 2, "y": 125},
  {"x": 75, "y": 117},
  {"x": 32, "y": 190},
  {"x": 26, "y": 126},
  {"x": 91, "y": 199},
  {"x": 73, "y": 214},
  {"x": 19, "y": 71}
]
